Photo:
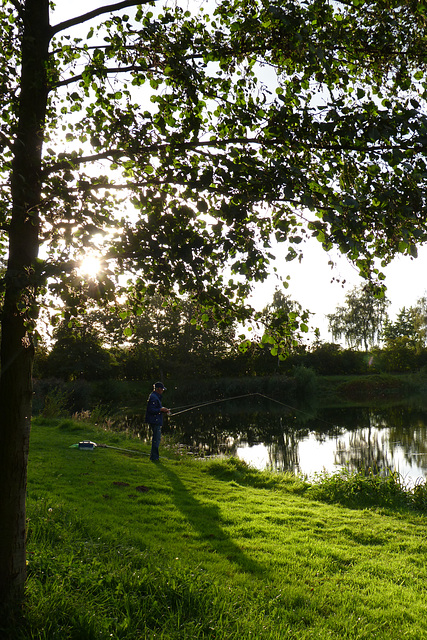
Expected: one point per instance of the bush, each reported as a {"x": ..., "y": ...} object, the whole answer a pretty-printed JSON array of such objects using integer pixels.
[
  {"x": 306, "y": 383},
  {"x": 56, "y": 404},
  {"x": 369, "y": 489},
  {"x": 53, "y": 398},
  {"x": 331, "y": 359}
]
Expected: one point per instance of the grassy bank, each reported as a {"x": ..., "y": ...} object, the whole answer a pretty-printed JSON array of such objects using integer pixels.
[
  {"x": 378, "y": 388},
  {"x": 119, "y": 547}
]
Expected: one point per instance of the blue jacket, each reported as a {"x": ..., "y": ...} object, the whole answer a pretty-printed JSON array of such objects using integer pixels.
[{"x": 153, "y": 415}]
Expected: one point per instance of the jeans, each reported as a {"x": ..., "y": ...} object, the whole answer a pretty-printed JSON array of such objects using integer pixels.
[{"x": 155, "y": 442}]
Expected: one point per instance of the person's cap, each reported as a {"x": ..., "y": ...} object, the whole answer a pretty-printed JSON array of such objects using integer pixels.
[{"x": 159, "y": 385}]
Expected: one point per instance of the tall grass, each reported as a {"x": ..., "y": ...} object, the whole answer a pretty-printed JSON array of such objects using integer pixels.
[{"x": 369, "y": 489}]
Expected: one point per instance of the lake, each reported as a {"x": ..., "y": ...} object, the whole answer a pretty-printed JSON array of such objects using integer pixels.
[{"x": 306, "y": 440}]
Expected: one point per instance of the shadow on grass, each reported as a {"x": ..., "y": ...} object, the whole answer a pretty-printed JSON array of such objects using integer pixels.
[{"x": 205, "y": 520}]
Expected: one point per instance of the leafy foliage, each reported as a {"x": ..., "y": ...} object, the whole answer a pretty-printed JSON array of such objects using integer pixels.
[
  {"x": 284, "y": 322},
  {"x": 270, "y": 119}
]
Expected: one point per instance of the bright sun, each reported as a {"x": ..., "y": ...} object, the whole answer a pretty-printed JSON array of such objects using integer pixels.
[{"x": 90, "y": 266}]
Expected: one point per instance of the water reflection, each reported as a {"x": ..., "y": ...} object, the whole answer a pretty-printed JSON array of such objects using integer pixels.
[{"x": 357, "y": 438}]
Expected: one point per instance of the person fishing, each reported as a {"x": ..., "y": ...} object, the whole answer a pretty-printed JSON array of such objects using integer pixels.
[{"x": 154, "y": 417}]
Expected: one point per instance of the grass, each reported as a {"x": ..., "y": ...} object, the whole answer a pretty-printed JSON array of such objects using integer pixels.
[{"x": 122, "y": 548}]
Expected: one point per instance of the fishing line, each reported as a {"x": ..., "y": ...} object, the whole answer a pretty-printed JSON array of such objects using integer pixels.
[
  {"x": 246, "y": 395},
  {"x": 204, "y": 404},
  {"x": 295, "y": 409}
]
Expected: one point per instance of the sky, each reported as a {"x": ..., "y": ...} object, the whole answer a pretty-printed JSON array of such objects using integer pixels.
[{"x": 313, "y": 284}]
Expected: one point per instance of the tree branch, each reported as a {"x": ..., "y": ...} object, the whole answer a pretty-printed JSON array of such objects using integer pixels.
[
  {"x": 7, "y": 143},
  {"x": 61, "y": 26},
  {"x": 108, "y": 186},
  {"x": 18, "y": 7},
  {"x": 116, "y": 154},
  {"x": 64, "y": 83}
]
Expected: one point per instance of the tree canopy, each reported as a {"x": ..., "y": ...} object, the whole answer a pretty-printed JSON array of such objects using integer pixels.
[
  {"x": 221, "y": 130},
  {"x": 187, "y": 141},
  {"x": 163, "y": 339},
  {"x": 410, "y": 326},
  {"x": 284, "y": 322}
]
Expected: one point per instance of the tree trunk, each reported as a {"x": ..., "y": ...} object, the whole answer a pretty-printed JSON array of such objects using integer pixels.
[{"x": 16, "y": 341}]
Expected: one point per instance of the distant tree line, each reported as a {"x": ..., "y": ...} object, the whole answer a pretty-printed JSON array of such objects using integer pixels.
[
  {"x": 169, "y": 340},
  {"x": 160, "y": 340},
  {"x": 363, "y": 322}
]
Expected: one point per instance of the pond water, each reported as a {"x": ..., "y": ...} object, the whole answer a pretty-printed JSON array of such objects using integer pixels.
[{"x": 308, "y": 441}]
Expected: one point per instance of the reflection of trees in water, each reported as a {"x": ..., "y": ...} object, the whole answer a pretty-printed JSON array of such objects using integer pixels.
[
  {"x": 406, "y": 428},
  {"x": 403, "y": 428},
  {"x": 416, "y": 449},
  {"x": 283, "y": 452},
  {"x": 367, "y": 449},
  {"x": 408, "y": 431},
  {"x": 223, "y": 432}
]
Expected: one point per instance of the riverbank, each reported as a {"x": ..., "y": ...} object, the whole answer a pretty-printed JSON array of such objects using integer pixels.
[
  {"x": 119, "y": 547},
  {"x": 378, "y": 388}
]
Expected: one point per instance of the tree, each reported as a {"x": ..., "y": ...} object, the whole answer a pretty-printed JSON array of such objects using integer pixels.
[
  {"x": 410, "y": 326},
  {"x": 420, "y": 320},
  {"x": 406, "y": 327},
  {"x": 361, "y": 321},
  {"x": 405, "y": 338},
  {"x": 77, "y": 353},
  {"x": 166, "y": 110},
  {"x": 284, "y": 321},
  {"x": 166, "y": 337},
  {"x": 332, "y": 359}
]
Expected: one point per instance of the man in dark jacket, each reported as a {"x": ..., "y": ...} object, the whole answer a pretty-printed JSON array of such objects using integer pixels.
[{"x": 154, "y": 417}]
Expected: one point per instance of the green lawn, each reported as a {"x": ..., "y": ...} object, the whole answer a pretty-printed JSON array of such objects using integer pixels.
[{"x": 119, "y": 547}]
